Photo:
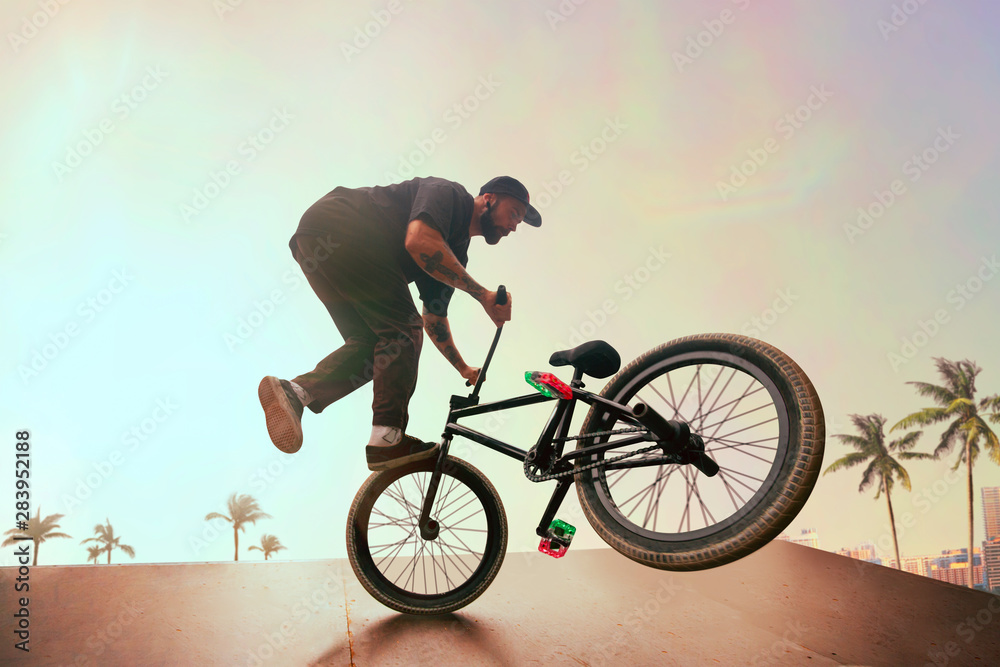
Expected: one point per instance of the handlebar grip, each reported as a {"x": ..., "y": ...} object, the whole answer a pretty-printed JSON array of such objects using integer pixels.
[{"x": 501, "y": 295}]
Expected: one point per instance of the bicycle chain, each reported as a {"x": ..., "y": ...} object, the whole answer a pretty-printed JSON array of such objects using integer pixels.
[
  {"x": 632, "y": 429},
  {"x": 590, "y": 466}
]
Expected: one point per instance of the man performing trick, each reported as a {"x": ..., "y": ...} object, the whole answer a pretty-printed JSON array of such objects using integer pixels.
[{"x": 359, "y": 249}]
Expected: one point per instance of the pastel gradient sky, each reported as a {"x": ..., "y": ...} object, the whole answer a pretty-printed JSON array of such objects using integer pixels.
[{"x": 173, "y": 283}]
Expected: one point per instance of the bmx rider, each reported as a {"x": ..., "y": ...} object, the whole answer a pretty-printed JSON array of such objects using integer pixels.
[{"x": 359, "y": 249}]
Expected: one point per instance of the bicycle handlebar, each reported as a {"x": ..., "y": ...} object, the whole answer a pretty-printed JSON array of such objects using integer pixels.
[{"x": 501, "y": 300}]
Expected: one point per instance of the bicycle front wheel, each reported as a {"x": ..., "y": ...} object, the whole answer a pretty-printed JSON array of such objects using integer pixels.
[
  {"x": 761, "y": 421},
  {"x": 412, "y": 575}
]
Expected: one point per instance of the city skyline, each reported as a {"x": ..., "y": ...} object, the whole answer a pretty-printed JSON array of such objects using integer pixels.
[{"x": 950, "y": 564}]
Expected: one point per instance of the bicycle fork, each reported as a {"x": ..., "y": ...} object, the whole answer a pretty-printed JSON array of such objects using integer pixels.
[{"x": 429, "y": 527}]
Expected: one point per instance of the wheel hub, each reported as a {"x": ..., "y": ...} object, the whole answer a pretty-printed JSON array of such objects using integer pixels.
[{"x": 430, "y": 529}]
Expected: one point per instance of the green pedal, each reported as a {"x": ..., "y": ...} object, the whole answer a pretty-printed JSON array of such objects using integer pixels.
[{"x": 557, "y": 539}]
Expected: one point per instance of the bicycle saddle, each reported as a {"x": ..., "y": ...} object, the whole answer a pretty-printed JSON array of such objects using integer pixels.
[{"x": 595, "y": 358}]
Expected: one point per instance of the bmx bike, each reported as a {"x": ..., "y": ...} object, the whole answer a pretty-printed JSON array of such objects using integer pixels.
[{"x": 696, "y": 454}]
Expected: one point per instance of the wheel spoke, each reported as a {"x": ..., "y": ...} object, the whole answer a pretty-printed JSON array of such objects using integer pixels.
[
  {"x": 708, "y": 393},
  {"x": 652, "y": 511},
  {"x": 722, "y": 392},
  {"x": 729, "y": 444},
  {"x": 717, "y": 408},
  {"x": 741, "y": 474},
  {"x": 733, "y": 405},
  {"x": 742, "y": 414},
  {"x": 747, "y": 428},
  {"x": 442, "y": 519}
]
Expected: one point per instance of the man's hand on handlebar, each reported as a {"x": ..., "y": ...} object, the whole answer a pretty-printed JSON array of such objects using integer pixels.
[
  {"x": 498, "y": 313},
  {"x": 471, "y": 375}
]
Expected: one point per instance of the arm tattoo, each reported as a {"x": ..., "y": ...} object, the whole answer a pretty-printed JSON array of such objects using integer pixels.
[
  {"x": 474, "y": 289},
  {"x": 440, "y": 332},
  {"x": 451, "y": 354},
  {"x": 433, "y": 264}
]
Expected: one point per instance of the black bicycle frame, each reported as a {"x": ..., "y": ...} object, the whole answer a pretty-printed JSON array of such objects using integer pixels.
[{"x": 548, "y": 449}]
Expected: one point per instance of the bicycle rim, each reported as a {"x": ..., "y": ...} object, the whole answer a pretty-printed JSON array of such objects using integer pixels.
[
  {"x": 413, "y": 575},
  {"x": 743, "y": 419}
]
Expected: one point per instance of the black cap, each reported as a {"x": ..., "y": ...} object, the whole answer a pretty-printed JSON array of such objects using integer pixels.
[{"x": 506, "y": 185}]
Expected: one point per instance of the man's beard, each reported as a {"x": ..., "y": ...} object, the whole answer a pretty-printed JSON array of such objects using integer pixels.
[{"x": 490, "y": 230}]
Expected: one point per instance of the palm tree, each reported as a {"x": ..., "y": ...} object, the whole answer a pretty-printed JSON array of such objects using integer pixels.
[
  {"x": 269, "y": 544},
  {"x": 93, "y": 553},
  {"x": 243, "y": 509},
  {"x": 883, "y": 468},
  {"x": 38, "y": 529},
  {"x": 105, "y": 538},
  {"x": 956, "y": 404}
]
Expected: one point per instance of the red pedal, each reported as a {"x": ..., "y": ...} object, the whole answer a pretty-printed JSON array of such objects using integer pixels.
[
  {"x": 548, "y": 384},
  {"x": 557, "y": 540}
]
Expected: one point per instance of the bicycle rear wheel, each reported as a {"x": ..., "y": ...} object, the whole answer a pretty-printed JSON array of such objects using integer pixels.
[
  {"x": 761, "y": 421},
  {"x": 416, "y": 576}
]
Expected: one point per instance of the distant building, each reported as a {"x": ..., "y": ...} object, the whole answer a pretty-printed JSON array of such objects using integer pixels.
[
  {"x": 952, "y": 556},
  {"x": 991, "y": 563},
  {"x": 864, "y": 551},
  {"x": 957, "y": 573},
  {"x": 808, "y": 538},
  {"x": 952, "y": 566},
  {"x": 918, "y": 565},
  {"x": 914, "y": 564},
  {"x": 991, "y": 511}
]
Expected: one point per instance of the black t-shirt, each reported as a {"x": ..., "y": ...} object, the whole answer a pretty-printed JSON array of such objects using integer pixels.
[{"x": 444, "y": 205}]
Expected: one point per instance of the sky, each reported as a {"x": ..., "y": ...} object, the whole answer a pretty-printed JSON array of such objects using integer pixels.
[{"x": 821, "y": 176}]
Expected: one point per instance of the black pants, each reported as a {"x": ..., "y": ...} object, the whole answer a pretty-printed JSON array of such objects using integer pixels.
[{"x": 356, "y": 274}]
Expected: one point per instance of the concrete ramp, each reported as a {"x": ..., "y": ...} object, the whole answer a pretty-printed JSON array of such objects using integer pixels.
[{"x": 784, "y": 605}]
